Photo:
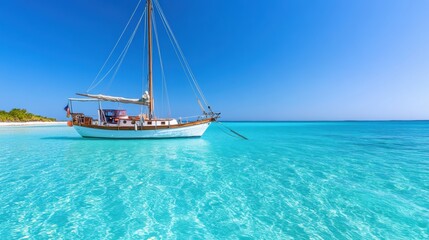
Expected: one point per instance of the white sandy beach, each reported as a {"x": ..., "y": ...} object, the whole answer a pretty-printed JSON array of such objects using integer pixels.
[{"x": 7, "y": 124}]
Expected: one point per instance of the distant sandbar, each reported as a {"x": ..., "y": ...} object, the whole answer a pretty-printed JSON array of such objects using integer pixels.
[{"x": 6, "y": 124}]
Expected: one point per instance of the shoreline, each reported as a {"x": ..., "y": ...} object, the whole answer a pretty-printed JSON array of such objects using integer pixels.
[{"x": 19, "y": 124}]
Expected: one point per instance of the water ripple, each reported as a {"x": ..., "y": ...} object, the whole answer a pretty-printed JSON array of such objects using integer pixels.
[{"x": 349, "y": 180}]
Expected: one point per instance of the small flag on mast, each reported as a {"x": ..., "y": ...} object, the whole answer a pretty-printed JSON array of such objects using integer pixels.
[{"x": 67, "y": 109}]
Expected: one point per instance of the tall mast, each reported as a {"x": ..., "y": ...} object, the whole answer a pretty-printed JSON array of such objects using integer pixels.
[{"x": 149, "y": 35}]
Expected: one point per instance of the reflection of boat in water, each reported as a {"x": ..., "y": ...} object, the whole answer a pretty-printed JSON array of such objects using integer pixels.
[{"x": 115, "y": 123}]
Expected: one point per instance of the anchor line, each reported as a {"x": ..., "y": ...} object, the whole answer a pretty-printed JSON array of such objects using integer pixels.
[{"x": 233, "y": 131}]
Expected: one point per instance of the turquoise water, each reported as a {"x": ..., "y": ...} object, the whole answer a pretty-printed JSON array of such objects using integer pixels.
[{"x": 320, "y": 180}]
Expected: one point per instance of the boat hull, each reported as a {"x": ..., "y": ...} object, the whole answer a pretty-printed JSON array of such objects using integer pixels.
[{"x": 178, "y": 132}]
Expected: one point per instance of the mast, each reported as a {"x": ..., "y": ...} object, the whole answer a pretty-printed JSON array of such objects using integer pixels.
[{"x": 149, "y": 35}]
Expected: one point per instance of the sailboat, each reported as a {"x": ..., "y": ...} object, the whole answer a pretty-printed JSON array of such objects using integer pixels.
[{"x": 116, "y": 123}]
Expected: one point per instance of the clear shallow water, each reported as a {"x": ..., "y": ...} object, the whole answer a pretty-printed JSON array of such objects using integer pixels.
[{"x": 321, "y": 180}]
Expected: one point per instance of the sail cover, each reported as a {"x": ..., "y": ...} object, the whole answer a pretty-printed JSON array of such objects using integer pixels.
[{"x": 142, "y": 101}]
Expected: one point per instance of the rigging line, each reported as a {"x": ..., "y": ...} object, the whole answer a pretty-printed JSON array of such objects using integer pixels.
[
  {"x": 181, "y": 53},
  {"x": 177, "y": 55},
  {"x": 187, "y": 75},
  {"x": 235, "y": 132},
  {"x": 174, "y": 41},
  {"x": 108, "y": 72},
  {"x": 126, "y": 49},
  {"x": 117, "y": 42},
  {"x": 121, "y": 56},
  {"x": 185, "y": 61},
  {"x": 164, "y": 82}
]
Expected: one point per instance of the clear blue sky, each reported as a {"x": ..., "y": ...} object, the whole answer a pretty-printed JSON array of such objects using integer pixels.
[{"x": 254, "y": 60}]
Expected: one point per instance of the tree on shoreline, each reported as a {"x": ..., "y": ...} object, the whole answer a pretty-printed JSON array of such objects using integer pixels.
[{"x": 21, "y": 115}]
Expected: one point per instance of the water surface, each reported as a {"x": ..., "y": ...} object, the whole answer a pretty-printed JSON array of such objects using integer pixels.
[{"x": 321, "y": 180}]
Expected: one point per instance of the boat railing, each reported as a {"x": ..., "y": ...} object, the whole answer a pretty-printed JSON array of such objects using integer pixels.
[
  {"x": 193, "y": 118},
  {"x": 82, "y": 119}
]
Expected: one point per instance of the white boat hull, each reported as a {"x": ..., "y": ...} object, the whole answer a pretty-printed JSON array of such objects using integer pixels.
[{"x": 179, "y": 132}]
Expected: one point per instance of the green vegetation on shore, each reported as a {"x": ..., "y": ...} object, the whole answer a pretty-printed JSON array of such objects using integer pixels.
[{"x": 21, "y": 115}]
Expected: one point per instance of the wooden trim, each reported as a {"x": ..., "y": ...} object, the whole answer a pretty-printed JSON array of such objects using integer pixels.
[{"x": 149, "y": 127}]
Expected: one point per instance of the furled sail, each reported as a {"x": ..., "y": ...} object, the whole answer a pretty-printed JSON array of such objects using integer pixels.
[{"x": 142, "y": 101}]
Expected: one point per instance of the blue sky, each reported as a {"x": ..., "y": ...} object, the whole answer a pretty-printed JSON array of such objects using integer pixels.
[{"x": 254, "y": 60}]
